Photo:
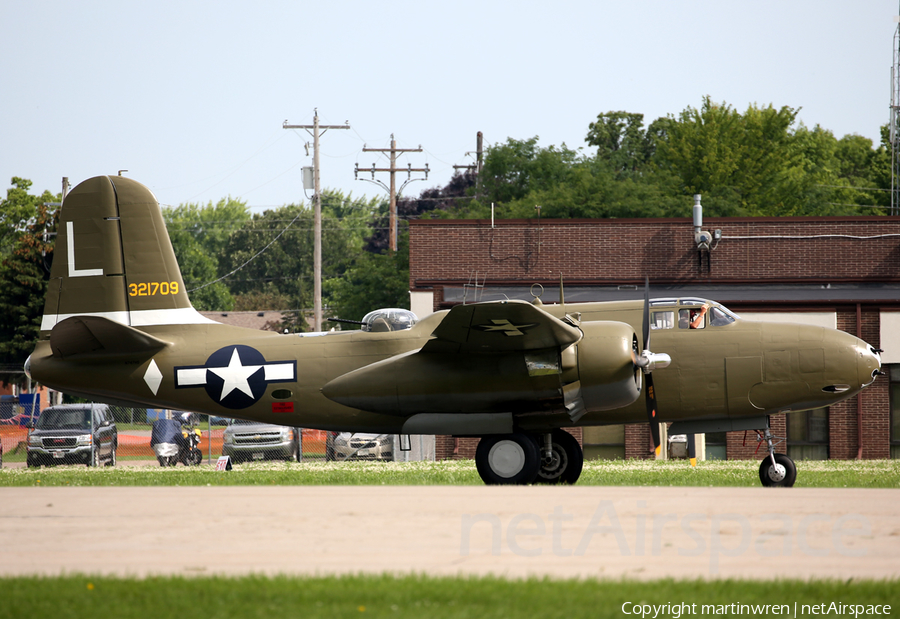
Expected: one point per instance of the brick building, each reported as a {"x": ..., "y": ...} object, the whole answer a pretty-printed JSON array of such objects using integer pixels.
[{"x": 842, "y": 272}]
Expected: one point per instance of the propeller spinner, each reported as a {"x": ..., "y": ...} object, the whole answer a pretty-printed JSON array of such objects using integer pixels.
[{"x": 649, "y": 361}]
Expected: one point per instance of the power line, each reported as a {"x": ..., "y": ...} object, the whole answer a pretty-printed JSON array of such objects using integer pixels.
[{"x": 249, "y": 260}]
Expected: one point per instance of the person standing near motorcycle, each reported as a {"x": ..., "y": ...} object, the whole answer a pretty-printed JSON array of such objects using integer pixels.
[{"x": 167, "y": 440}]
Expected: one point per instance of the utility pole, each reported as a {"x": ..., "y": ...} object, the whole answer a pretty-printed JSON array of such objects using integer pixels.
[
  {"x": 317, "y": 210},
  {"x": 393, "y": 150},
  {"x": 895, "y": 124},
  {"x": 479, "y": 156}
]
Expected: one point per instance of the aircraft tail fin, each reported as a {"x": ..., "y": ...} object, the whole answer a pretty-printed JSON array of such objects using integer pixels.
[{"x": 113, "y": 259}]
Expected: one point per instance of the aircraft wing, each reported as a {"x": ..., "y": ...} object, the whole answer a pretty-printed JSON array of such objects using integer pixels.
[
  {"x": 500, "y": 326},
  {"x": 477, "y": 361}
]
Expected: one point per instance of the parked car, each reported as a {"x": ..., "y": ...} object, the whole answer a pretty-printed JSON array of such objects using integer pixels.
[
  {"x": 73, "y": 434},
  {"x": 360, "y": 446},
  {"x": 251, "y": 440}
]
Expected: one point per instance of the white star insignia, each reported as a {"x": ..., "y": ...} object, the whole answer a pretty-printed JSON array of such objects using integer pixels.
[{"x": 235, "y": 376}]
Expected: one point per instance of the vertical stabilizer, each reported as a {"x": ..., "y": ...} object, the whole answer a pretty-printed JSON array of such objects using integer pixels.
[{"x": 113, "y": 259}]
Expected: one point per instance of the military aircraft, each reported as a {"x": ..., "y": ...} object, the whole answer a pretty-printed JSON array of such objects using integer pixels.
[{"x": 118, "y": 327}]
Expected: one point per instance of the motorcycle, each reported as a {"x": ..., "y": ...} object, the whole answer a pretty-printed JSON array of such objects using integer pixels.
[
  {"x": 190, "y": 454},
  {"x": 174, "y": 443}
]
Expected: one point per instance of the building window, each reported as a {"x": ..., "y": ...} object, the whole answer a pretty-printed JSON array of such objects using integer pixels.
[
  {"x": 716, "y": 446},
  {"x": 807, "y": 435},
  {"x": 894, "y": 373},
  {"x": 604, "y": 442}
]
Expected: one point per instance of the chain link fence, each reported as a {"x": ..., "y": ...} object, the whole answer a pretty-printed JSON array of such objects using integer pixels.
[
  {"x": 219, "y": 436},
  {"x": 241, "y": 440}
]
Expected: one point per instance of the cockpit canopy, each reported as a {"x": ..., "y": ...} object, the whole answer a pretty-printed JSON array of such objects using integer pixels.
[
  {"x": 688, "y": 313},
  {"x": 388, "y": 319}
]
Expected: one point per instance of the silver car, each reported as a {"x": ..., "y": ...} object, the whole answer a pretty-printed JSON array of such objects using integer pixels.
[
  {"x": 362, "y": 446},
  {"x": 251, "y": 440}
]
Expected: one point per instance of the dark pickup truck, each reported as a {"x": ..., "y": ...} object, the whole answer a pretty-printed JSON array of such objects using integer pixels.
[{"x": 73, "y": 434}]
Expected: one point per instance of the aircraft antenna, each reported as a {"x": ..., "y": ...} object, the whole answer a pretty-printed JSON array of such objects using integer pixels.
[{"x": 477, "y": 289}]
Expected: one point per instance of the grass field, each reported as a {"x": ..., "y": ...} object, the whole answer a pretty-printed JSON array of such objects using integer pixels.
[
  {"x": 811, "y": 474},
  {"x": 421, "y": 597}
]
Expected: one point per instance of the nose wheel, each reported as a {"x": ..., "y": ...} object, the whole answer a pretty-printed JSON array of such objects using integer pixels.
[{"x": 776, "y": 470}]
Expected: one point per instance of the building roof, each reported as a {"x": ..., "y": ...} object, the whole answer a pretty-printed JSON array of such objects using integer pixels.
[
  {"x": 264, "y": 321},
  {"x": 736, "y": 294}
]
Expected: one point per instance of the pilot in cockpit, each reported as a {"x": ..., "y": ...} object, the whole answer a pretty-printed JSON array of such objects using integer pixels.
[{"x": 692, "y": 318}]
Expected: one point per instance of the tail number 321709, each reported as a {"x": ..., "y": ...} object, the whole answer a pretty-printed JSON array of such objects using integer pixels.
[{"x": 150, "y": 289}]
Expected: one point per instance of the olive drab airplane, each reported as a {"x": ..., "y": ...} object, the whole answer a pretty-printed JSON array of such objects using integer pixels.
[{"x": 118, "y": 327}]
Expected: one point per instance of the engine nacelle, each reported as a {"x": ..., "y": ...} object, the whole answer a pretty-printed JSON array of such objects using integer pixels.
[{"x": 606, "y": 365}]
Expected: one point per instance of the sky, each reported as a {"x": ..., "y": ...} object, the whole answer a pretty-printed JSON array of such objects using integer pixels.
[{"x": 189, "y": 97}]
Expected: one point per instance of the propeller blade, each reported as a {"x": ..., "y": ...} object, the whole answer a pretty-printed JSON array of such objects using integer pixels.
[
  {"x": 646, "y": 323},
  {"x": 651, "y": 413},
  {"x": 692, "y": 448},
  {"x": 649, "y": 361}
]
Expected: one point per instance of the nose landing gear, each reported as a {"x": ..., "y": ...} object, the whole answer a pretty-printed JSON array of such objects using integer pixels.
[{"x": 776, "y": 469}]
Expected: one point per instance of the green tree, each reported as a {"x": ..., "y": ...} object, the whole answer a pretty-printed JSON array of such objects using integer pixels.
[
  {"x": 759, "y": 162},
  {"x": 518, "y": 167},
  {"x": 18, "y": 210},
  {"x": 737, "y": 158},
  {"x": 23, "y": 280},
  {"x": 199, "y": 235},
  {"x": 272, "y": 255},
  {"x": 621, "y": 140},
  {"x": 570, "y": 184},
  {"x": 372, "y": 281}
]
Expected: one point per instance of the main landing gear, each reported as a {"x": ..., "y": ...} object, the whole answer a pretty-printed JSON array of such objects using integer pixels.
[
  {"x": 776, "y": 469},
  {"x": 519, "y": 458}
]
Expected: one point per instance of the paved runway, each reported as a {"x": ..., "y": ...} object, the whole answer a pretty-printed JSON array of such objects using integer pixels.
[{"x": 513, "y": 531}]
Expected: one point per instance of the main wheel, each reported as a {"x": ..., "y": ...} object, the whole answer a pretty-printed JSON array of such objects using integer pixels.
[
  {"x": 507, "y": 459},
  {"x": 565, "y": 465},
  {"x": 783, "y": 473},
  {"x": 112, "y": 455},
  {"x": 95, "y": 457}
]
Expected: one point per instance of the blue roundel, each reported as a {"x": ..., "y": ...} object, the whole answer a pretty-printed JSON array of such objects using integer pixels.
[{"x": 235, "y": 376}]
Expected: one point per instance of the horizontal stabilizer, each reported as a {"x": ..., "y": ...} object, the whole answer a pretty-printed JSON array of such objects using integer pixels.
[
  {"x": 101, "y": 339},
  {"x": 500, "y": 326}
]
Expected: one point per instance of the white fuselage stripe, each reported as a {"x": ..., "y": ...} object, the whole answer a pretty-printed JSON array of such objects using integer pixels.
[
  {"x": 138, "y": 318},
  {"x": 190, "y": 377},
  {"x": 280, "y": 371}
]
